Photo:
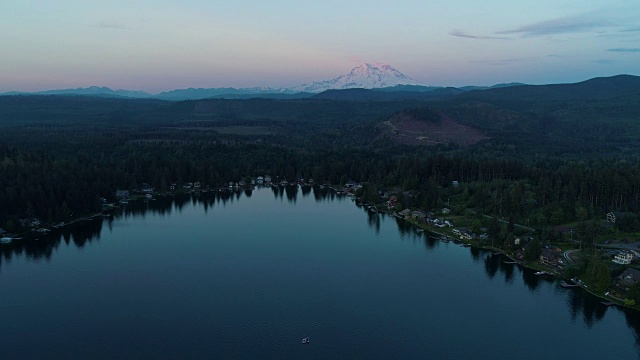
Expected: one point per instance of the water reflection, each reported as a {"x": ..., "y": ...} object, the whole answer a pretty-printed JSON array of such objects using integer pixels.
[
  {"x": 86, "y": 231},
  {"x": 430, "y": 241},
  {"x": 587, "y": 305},
  {"x": 582, "y": 306}
]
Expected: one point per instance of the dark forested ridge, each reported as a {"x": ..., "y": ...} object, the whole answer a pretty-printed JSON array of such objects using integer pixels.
[{"x": 552, "y": 153}]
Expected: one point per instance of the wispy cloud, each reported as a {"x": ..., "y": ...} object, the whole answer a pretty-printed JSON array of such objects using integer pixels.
[
  {"x": 111, "y": 25},
  {"x": 462, "y": 34},
  {"x": 604, "y": 61},
  {"x": 624, "y": 50},
  {"x": 564, "y": 25}
]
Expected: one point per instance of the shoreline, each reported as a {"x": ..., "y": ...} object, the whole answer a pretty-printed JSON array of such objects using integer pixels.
[{"x": 606, "y": 299}]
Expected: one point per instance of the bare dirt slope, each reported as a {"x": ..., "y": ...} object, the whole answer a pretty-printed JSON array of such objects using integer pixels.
[{"x": 406, "y": 129}]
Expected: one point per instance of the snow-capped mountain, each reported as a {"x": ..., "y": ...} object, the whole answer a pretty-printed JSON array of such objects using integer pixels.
[{"x": 368, "y": 76}]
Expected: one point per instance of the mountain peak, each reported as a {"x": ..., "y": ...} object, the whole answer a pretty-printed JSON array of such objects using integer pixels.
[{"x": 367, "y": 76}]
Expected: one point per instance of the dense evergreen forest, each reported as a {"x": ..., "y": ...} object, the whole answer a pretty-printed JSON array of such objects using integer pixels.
[{"x": 553, "y": 155}]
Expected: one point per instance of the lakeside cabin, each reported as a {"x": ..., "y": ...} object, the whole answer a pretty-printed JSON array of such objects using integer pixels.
[
  {"x": 548, "y": 258},
  {"x": 624, "y": 258},
  {"x": 628, "y": 278}
]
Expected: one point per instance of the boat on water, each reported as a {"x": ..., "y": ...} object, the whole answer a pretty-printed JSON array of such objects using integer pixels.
[{"x": 305, "y": 340}]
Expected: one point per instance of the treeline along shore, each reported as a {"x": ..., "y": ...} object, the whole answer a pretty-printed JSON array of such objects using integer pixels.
[{"x": 561, "y": 160}]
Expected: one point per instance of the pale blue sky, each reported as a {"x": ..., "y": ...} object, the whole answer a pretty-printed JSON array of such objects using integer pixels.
[{"x": 162, "y": 45}]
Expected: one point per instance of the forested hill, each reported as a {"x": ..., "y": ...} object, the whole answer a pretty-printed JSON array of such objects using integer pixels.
[
  {"x": 533, "y": 159},
  {"x": 600, "y": 115}
]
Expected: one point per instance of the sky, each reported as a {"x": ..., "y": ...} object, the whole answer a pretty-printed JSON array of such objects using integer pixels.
[{"x": 158, "y": 45}]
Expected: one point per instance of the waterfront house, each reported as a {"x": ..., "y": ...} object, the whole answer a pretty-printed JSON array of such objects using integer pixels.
[
  {"x": 405, "y": 213},
  {"x": 456, "y": 232},
  {"x": 391, "y": 203},
  {"x": 419, "y": 215},
  {"x": 628, "y": 278},
  {"x": 466, "y": 234},
  {"x": 267, "y": 179},
  {"x": 122, "y": 194},
  {"x": 196, "y": 185},
  {"x": 624, "y": 258},
  {"x": 446, "y": 211},
  {"x": 455, "y": 183},
  {"x": 548, "y": 258},
  {"x": 260, "y": 180}
]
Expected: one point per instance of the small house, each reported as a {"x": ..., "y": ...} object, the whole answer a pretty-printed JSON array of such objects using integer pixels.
[
  {"x": 628, "y": 278},
  {"x": 122, "y": 194},
  {"x": 624, "y": 258},
  {"x": 419, "y": 214},
  {"x": 260, "y": 180},
  {"x": 548, "y": 258},
  {"x": 466, "y": 234}
]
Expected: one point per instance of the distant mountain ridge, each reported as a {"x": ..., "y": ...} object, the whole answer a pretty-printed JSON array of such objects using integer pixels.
[
  {"x": 366, "y": 76},
  {"x": 377, "y": 82},
  {"x": 90, "y": 91}
]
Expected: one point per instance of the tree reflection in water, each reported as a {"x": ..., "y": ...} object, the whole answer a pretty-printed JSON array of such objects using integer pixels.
[{"x": 581, "y": 304}]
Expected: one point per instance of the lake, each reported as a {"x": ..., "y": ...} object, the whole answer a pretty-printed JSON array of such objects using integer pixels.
[{"x": 249, "y": 275}]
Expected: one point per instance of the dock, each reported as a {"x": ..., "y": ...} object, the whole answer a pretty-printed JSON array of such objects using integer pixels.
[
  {"x": 565, "y": 284},
  {"x": 510, "y": 262}
]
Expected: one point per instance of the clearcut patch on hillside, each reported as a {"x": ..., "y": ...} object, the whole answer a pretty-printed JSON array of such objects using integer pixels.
[{"x": 408, "y": 130}]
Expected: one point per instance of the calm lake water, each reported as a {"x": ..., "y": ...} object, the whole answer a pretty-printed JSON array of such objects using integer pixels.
[{"x": 248, "y": 276}]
